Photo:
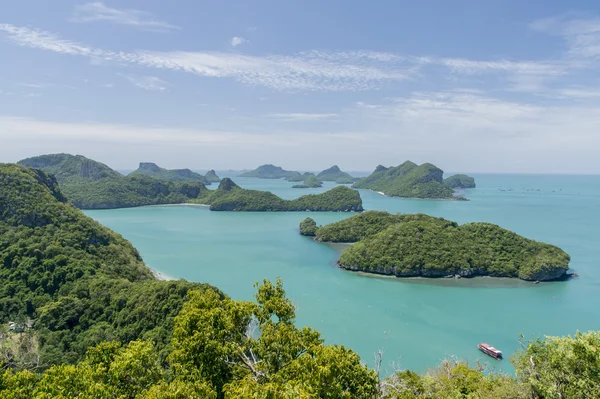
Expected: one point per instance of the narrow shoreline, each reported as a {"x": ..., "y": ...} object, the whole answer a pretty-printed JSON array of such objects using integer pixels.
[
  {"x": 160, "y": 276},
  {"x": 182, "y": 204},
  {"x": 453, "y": 198}
]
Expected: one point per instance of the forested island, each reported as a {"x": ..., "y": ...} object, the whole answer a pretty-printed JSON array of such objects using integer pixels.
[
  {"x": 150, "y": 169},
  {"x": 424, "y": 246},
  {"x": 460, "y": 181},
  {"x": 269, "y": 171},
  {"x": 300, "y": 177},
  {"x": 230, "y": 197},
  {"x": 88, "y": 320},
  {"x": 334, "y": 174},
  {"x": 409, "y": 180},
  {"x": 310, "y": 181},
  {"x": 211, "y": 177}
]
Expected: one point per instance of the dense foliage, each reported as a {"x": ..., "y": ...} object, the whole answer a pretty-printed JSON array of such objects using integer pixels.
[
  {"x": 231, "y": 197},
  {"x": 150, "y": 169},
  {"x": 78, "y": 280},
  {"x": 409, "y": 180},
  {"x": 91, "y": 185},
  {"x": 310, "y": 182},
  {"x": 335, "y": 174},
  {"x": 300, "y": 177},
  {"x": 421, "y": 245},
  {"x": 308, "y": 227},
  {"x": 211, "y": 177},
  {"x": 460, "y": 181},
  {"x": 270, "y": 172}
]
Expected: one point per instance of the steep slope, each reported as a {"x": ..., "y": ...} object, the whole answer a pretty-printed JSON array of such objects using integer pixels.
[
  {"x": 409, "y": 180},
  {"x": 270, "y": 172},
  {"x": 79, "y": 281},
  {"x": 150, "y": 169},
  {"x": 71, "y": 169},
  {"x": 336, "y": 175},
  {"x": 211, "y": 177}
]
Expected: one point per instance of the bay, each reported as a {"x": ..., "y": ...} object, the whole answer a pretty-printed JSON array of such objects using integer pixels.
[{"x": 416, "y": 322}]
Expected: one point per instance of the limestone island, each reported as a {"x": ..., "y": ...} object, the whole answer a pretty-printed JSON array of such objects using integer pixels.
[
  {"x": 270, "y": 172},
  {"x": 460, "y": 181},
  {"x": 310, "y": 181},
  {"x": 150, "y": 169},
  {"x": 230, "y": 197},
  {"x": 409, "y": 180},
  {"x": 211, "y": 177},
  {"x": 419, "y": 245},
  {"x": 300, "y": 177},
  {"x": 334, "y": 174}
]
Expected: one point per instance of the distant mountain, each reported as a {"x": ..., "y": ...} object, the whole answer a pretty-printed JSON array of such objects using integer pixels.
[
  {"x": 92, "y": 185},
  {"x": 300, "y": 177},
  {"x": 211, "y": 177},
  {"x": 310, "y": 181},
  {"x": 150, "y": 169},
  {"x": 460, "y": 181},
  {"x": 71, "y": 169},
  {"x": 270, "y": 172},
  {"x": 336, "y": 175},
  {"x": 409, "y": 180}
]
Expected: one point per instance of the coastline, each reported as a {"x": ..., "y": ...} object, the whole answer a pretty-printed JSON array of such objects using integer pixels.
[
  {"x": 182, "y": 204},
  {"x": 453, "y": 198},
  {"x": 159, "y": 275}
]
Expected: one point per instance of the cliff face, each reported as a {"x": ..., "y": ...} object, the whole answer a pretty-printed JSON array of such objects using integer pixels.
[
  {"x": 71, "y": 168},
  {"x": 211, "y": 177}
]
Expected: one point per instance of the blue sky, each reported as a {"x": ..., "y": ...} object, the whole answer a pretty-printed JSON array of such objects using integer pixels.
[{"x": 474, "y": 86}]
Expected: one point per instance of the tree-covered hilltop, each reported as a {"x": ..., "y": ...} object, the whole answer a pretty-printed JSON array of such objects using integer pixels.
[
  {"x": 71, "y": 169},
  {"x": 300, "y": 177},
  {"x": 426, "y": 246},
  {"x": 270, "y": 172},
  {"x": 409, "y": 180},
  {"x": 91, "y": 185},
  {"x": 460, "y": 181},
  {"x": 230, "y": 197},
  {"x": 310, "y": 182},
  {"x": 336, "y": 175},
  {"x": 211, "y": 177},
  {"x": 150, "y": 169},
  {"x": 80, "y": 282}
]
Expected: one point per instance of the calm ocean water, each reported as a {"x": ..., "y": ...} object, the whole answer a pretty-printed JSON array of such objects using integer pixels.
[{"x": 416, "y": 322}]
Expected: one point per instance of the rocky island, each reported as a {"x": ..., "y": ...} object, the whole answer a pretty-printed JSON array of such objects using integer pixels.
[
  {"x": 230, "y": 197},
  {"x": 424, "y": 246},
  {"x": 310, "y": 181},
  {"x": 409, "y": 180},
  {"x": 334, "y": 174},
  {"x": 460, "y": 181},
  {"x": 211, "y": 177},
  {"x": 150, "y": 169},
  {"x": 270, "y": 172}
]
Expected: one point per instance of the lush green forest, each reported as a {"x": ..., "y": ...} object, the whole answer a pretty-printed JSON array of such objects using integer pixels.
[
  {"x": 300, "y": 177},
  {"x": 270, "y": 172},
  {"x": 150, "y": 169},
  {"x": 93, "y": 323},
  {"x": 460, "y": 181},
  {"x": 91, "y": 185},
  {"x": 230, "y": 197},
  {"x": 211, "y": 177},
  {"x": 310, "y": 181},
  {"x": 336, "y": 175},
  {"x": 409, "y": 180},
  {"x": 421, "y": 245}
]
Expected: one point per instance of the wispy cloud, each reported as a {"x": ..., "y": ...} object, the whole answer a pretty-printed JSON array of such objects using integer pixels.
[
  {"x": 98, "y": 11},
  {"x": 302, "y": 116},
  {"x": 582, "y": 34},
  {"x": 236, "y": 41},
  {"x": 151, "y": 83}
]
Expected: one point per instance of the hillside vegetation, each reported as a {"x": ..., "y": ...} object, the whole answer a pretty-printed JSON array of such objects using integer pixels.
[
  {"x": 421, "y": 245},
  {"x": 150, "y": 169},
  {"x": 231, "y": 197},
  {"x": 270, "y": 172},
  {"x": 336, "y": 175},
  {"x": 409, "y": 180},
  {"x": 310, "y": 181},
  {"x": 460, "y": 181}
]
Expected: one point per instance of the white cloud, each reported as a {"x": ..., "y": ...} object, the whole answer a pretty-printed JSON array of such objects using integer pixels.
[
  {"x": 98, "y": 11},
  {"x": 236, "y": 41},
  {"x": 582, "y": 34},
  {"x": 302, "y": 116},
  {"x": 151, "y": 83}
]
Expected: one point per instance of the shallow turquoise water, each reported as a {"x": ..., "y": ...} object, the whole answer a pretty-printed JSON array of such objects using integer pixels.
[{"x": 416, "y": 322}]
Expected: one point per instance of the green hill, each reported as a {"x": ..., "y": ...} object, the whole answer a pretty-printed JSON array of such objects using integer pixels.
[
  {"x": 460, "y": 181},
  {"x": 80, "y": 282},
  {"x": 211, "y": 177},
  {"x": 300, "y": 177},
  {"x": 91, "y": 185},
  {"x": 270, "y": 172},
  {"x": 425, "y": 246},
  {"x": 310, "y": 181},
  {"x": 230, "y": 197},
  {"x": 409, "y": 180},
  {"x": 336, "y": 175},
  {"x": 150, "y": 169}
]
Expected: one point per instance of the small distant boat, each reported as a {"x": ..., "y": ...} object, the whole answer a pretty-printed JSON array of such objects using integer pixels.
[{"x": 490, "y": 351}]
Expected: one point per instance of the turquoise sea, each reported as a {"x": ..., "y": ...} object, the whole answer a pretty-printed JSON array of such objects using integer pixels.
[{"x": 416, "y": 322}]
